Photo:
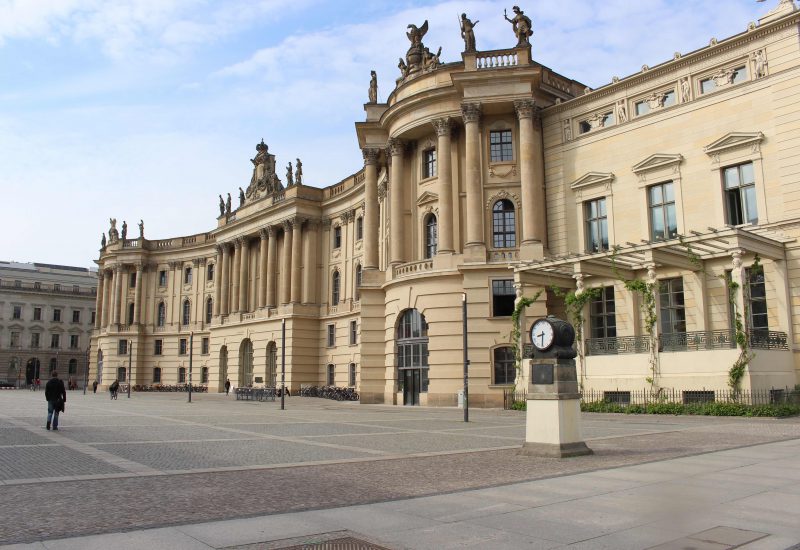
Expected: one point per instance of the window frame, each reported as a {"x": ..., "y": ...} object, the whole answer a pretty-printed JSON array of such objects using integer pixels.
[
  {"x": 494, "y": 285},
  {"x": 508, "y": 364},
  {"x": 431, "y": 231},
  {"x": 500, "y": 224},
  {"x": 183, "y": 346},
  {"x": 498, "y": 149},
  {"x": 666, "y": 205},
  {"x": 596, "y": 225},
  {"x": 186, "y": 312},
  {"x": 158, "y": 346},
  {"x": 744, "y": 193},
  {"x": 337, "y": 237},
  {"x": 330, "y": 334},
  {"x": 187, "y": 275},
  {"x": 353, "y": 332},
  {"x": 351, "y": 375},
  {"x": 600, "y": 314},
  {"x": 429, "y": 163},
  {"x": 336, "y": 287},
  {"x": 330, "y": 375}
]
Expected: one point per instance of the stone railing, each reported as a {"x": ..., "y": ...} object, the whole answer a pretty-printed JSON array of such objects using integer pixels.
[
  {"x": 507, "y": 255},
  {"x": 412, "y": 268},
  {"x": 248, "y": 316},
  {"x": 496, "y": 59},
  {"x": 132, "y": 243},
  {"x": 280, "y": 196},
  {"x": 48, "y": 289}
]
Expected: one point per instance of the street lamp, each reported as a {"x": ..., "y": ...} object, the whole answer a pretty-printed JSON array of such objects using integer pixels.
[
  {"x": 191, "y": 349},
  {"x": 86, "y": 370},
  {"x": 283, "y": 362},
  {"x": 130, "y": 366},
  {"x": 466, "y": 355}
]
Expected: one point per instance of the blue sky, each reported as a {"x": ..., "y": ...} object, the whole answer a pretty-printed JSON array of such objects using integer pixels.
[{"x": 148, "y": 109}]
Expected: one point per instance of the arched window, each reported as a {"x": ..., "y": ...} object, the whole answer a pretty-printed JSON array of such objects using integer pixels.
[
  {"x": 162, "y": 314},
  {"x": 73, "y": 366},
  {"x": 335, "y": 287},
  {"x": 157, "y": 375},
  {"x": 246, "y": 363},
  {"x": 209, "y": 309},
  {"x": 187, "y": 310},
  {"x": 504, "y": 224},
  {"x": 99, "y": 366},
  {"x": 505, "y": 371},
  {"x": 358, "y": 282},
  {"x": 431, "y": 236}
]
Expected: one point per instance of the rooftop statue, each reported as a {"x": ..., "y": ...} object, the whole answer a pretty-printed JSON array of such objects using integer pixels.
[
  {"x": 264, "y": 179},
  {"x": 467, "y": 32},
  {"x": 113, "y": 234},
  {"x": 289, "y": 180},
  {"x": 521, "y": 23},
  {"x": 373, "y": 87},
  {"x": 418, "y": 58},
  {"x": 221, "y": 206},
  {"x": 124, "y": 230},
  {"x": 241, "y": 197},
  {"x": 141, "y": 229},
  {"x": 103, "y": 240},
  {"x": 298, "y": 171},
  {"x": 228, "y": 205}
]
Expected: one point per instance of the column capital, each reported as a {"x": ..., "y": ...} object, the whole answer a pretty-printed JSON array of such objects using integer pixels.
[
  {"x": 442, "y": 126},
  {"x": 288, "y": 225},
  {"x": 737, "y": 254},
  {"x": 174, "y": 264},
  {"x": 471, "y": 112},
  {"x": 525, "y": 108},
  {"x": 264, "y": 233},
  {"x": 139, "y": 266},
  {"x": 237, "y": 243},
  {"x": 218, "y": 247},
  {"x": 100, "y": 276},
  {"x": 197, "y": 262},
  {"x": 347, "y": 216},
  {"x": 396, "y": 146},
  {"x": 371, "y": 155}
]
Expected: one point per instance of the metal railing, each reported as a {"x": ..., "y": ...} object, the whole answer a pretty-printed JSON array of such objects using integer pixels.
[
  {"x": 617, "y": 345},
  {"x": 686, "y": 341}
]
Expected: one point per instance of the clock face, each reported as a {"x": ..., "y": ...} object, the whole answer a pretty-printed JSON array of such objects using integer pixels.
[{"x": 542, "y": 334}]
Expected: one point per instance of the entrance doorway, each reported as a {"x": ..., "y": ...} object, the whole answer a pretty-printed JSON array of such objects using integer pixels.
[
  {"x": 412, "y": 356},
  {"x": 246, "y": 363}
]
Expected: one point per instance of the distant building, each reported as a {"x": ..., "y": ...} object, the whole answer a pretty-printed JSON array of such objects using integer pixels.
[
  {"x": 495, "y": 178},
  {"x": 46, "y": 318}
]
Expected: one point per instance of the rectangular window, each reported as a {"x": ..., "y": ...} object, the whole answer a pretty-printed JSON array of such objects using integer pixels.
[
  {"x": 55, "y": 341},
  {"x": 132, "y": 280},
  {"x": 663, "y": 218},
  {"x": 642, "y": 108},
  {"x": 182, "y": 375},
  {"x": 503, "y": 296},
  {"x": 505, "y": 371},
  {"x": 37, "y": 314},
  {"x": 76, "y": 289},
  {"x": 617, "y": 397},
  {"x": 596, "y": 225},
  {"x": 331, "y": 375},
  {"x": 500, "y": 146},
  {"x": 673, "y": 308},
  {"x": 57, "y": 287},
  {"x": 584, "y": 127},
  {"x": 210, "y": 272},
  {"x": 702, "y": 396},
  {"x": 204, "y": 346},
  {"x": 17, "y": 284},
  {"x": 359, "y": 228},
  {"x": 331, "y": 336},
  {"x": 73, "y": 341},
  {"x": 76, "y": 316},
  {"x": 157, "y": 375},
  {"x": 602, "y": 314},
  {"x": 337, "y": 236},
  {"x": 351, "y": 378},
  {"x": 17, "y": 313},
  {"x": 187, "y": 276},
  {"x": 158, "y": 347},
  {"x": 15, "y": 339},
  {"x": 93, "y": 317},
  {"x": 740, "y": 194},
  {"x": 757, "y": 291},
  {"x": 162, "y": 278},
  {"x": 182, "y": 347},
  {"x": 56, "y": 315},
  {"x": 668, "y": 98},
  {"x": 429, "y": 163},
  {"x": 353, "y": 333},
  {"x": 122, "y": 347},
  {"x": 35, "y": 340}
]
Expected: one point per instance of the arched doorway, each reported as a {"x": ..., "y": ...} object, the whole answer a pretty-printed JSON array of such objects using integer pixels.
[
  {"x": 99, "y": 366},
  {"x": 412, "y": 356},
  {"x": 32, "y": 370},
  {"x": 272, "y": 365},
  {"x": 223, "y": 366},
  {"x": 246, "y": 363}
]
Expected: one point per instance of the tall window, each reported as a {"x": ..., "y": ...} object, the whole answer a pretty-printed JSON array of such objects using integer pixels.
[
  {"x": 500, "y": 147},
  {"x": 132, "y": 280},
  {"x": 131, "y": 307},
  {"x": 335, "y": 288},
  {"x": 57, "y": 315},
  {"x": 740, "y": 194},
  {"x": 358, "y": 282},
  {"x": 758, "y": 299},
  {"x": 162, "y": 314},
  {"x": 505, "y": 371},
  {"x": 504, "y": 224},
  {"x": 182, "y": 346},
  {"x": 182, "y": 375},
  {"x": 162, "y": 278},
  {"x": 204, "y": 346},
  {"x": 73, "y": 341},
  {"x": 73, "y": 366},
  {"x": 351, "y": 377},
  {"x": 412, "y": 345},
  {"x": 663, "y": 220},
  {"x": 673, "y": 309},
  {"x": 157, "y": 375},
  {"x": 431, "y": 236},
  {"x": 122, "y": 347},
  {"x": 331, "y": 333},
  {"x": 37, "y": 314},
  {"x": 331, "y": 375},
  {"x": 17, "y": 312},
  {"x": 596, "y": 225},
  {"x": 429, "y": 163},
  {"x": 602, "y": 314},
  {"x": 186, "y": 313},
  {"x": 34, "y": 340},
  {"x": 122, "y": 374},
  {"x": 76, "y": 316},
  {"x": 210, "y": 272},
  {"x": 187, "y": 276},
  {"x": 209, "y": 309},
  {"x": 337, "y": 236},
  {"x": 353, "y": 333},
  {"x": 158, "y": 347},
  {"x": 204, "y": 375},
  {"x": 503, "y": 296},
  {"x": 359, "y": 228},
  {"x": 55, "y": 341}
]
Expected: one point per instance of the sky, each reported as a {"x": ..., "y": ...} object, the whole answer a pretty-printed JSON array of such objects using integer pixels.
[{"x": 149, "y": 109}]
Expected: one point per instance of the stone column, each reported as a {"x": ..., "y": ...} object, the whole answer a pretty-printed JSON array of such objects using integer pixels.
[
  {"x": 371, "y": 208},
  {"x": 471, "y": 113},
  {"x": 532, "y": 192},
  {"x": 272, "y": 252},
  {"x": 225, "y": 291},
  {"x": 137, "y": 296},
  {"x": 175, "y": 303},
  {"x": 217, "y": 280},
  {"x": 117, "y": 294},
  {"x": 244, "y": 269},
  {"x": 297, "y": 254},
  {"x": 262, "y": 268},
  {"x": 310, "y": 262},
  {"x": 286, "y": 262},
  {"x": 396, "y": 225},
  {"x": 98, "y": 307},
  {"x": 108, "y": 297},
  {"x": 445, "y": 177},
  {"x": 235, "y": 269}
]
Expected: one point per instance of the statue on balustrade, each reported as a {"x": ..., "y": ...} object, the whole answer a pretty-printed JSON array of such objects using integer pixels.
[
  {"x": 141, "y": 229},
  {"x": 221, "y": 206},
  {"x": 228, "y": 205},
  {"x": 418, "y": 57},
  {"x": 298, "y": 172},
  {"x": 124, "y": 230},
  {"x": 113, "y": 234},
  {"x": 523, "y": 28},
  {"x": 373, "y": 87},
  {"x": 289, "y": 180},
  {"x": 264, "y": 179},
  {"x": 241, "y": 197},
  {"x": 103, "y": 240},
  {"x": 430, "y": 61},
  {"x": 467, "y": 33}
]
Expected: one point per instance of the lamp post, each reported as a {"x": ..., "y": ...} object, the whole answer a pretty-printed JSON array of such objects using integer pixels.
[
  {"x": 283, "y": 362},
  {"x": 466, "y": 355},
  {"x": 130, "y": 366},
  {"x": 86, "y": 370},
  {"x": 191, "y": 349}
]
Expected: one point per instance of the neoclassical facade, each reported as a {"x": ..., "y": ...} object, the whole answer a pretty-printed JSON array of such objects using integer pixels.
[{"x": 484, "y": 181}]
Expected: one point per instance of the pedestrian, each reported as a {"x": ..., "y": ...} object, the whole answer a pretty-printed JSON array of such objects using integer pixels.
[
  {"x": 94, "y": 386},
  {"x": 56, "y": 396},
  {"x": 37, "y": 384},
  {"x": 227, "y": 386},
  {"x": 114, "y": 388}
]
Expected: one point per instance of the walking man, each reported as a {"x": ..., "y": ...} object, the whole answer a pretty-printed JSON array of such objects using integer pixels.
[
  {"x": 227, "y": 385},
  {"x": 56, "y": 396}
]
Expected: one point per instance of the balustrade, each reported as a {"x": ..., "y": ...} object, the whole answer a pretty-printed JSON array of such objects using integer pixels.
[{"x": 497, "y": 59}]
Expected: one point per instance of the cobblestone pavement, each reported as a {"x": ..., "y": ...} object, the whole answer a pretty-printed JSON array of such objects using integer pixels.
[{"x": 155, "y": 460}]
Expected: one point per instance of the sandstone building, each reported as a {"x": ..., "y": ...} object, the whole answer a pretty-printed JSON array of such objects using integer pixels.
[{"x": 488, "y": 180}]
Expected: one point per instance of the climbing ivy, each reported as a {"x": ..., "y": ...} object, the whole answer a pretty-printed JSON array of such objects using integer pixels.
[
  {"x": 575, "y": 303},
  {"x": 516, "y": 330},
  {"x": 737, "y": 371}
]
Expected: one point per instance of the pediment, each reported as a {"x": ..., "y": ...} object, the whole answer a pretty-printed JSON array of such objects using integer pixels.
[
  {"x": 426, "y": 198},
  {"x": 593, "y": 179},
  {"x": 734, "y": 140},
  {"x": 657, "y": 161}
]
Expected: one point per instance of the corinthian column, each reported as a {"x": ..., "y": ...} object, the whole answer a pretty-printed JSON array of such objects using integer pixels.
[
  {"x": 371, "y": 208},
  {"x": 137, "y": 295},
  {"x": 297, "y": 254},
  {"x": 272, "y": 252},
  {"x": 471, "y": 113},
  {"x": 225, "y": 290},
  {"x": 286, "y": 262},
  {"x": 217, "y": 280},
  {"x": 310, "y": 262},
  {"x": 117, "y": 293},
  {"x": 445, "y": 177},
  {"x": 531, "y": 173},
  {"x": 262, "y": 268},
  {"x": 108, "y": 297},
  {"x": 235, "y": 269},
  {"x": 244, "y": 266},
  {"x": 98, "y": 306},
  {"x": 396, "y": 226}
]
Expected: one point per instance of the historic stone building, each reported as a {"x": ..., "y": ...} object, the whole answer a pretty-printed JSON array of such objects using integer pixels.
[
  {"x": 488, "y": 180},
  {"x": 46, "y": 319}
]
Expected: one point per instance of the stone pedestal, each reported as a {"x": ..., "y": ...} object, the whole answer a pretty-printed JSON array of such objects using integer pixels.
[{"x": 553, "y": 418}]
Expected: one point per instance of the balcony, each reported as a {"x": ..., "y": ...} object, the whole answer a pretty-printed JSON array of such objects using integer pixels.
[
  {"x": 686, "y": 341},
  {"x": 412, "y": 268}
]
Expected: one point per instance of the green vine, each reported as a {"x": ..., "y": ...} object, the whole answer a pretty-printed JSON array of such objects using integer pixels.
[
  {"x": 575, "y": 303},
  {"x": 516, "y": 330},
  {"x": 737, "y": 371}
]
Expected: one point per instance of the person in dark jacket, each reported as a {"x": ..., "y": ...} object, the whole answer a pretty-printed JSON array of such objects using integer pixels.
[
  {"x": 114, "y": 388},
  {"x": 94, "y": 386},
  {"x": 56, "y": 396},
  {"x": 227, "y": 386}
]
